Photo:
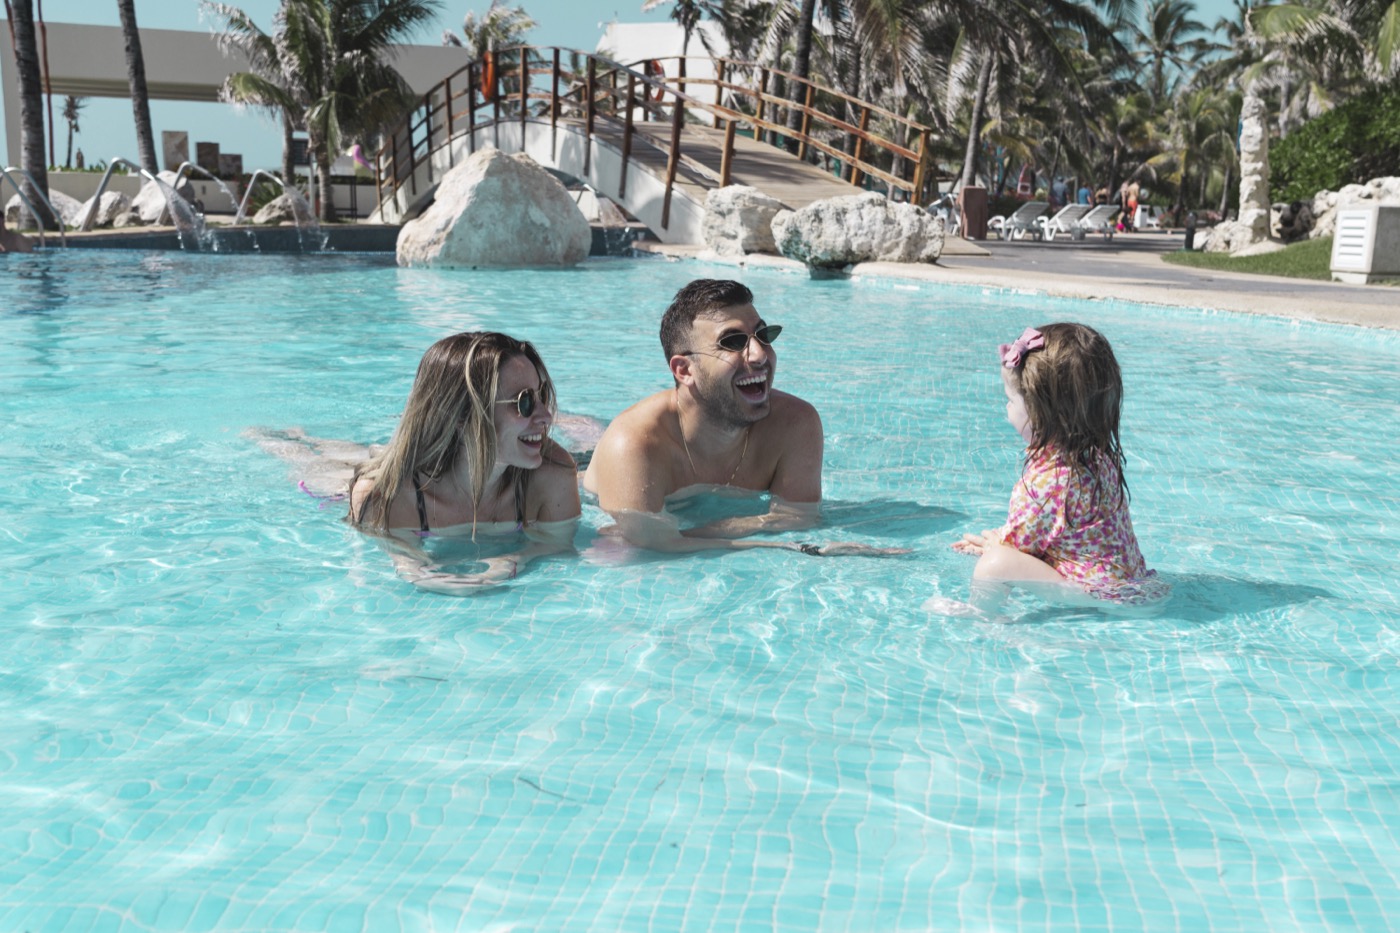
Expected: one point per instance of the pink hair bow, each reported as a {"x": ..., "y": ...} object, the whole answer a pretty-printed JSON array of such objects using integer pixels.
[{"x": 1013, "y": 353}]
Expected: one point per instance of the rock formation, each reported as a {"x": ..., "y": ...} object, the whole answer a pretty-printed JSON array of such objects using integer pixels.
[
  {"x": 497, "y": 211},
  {"x": 112, "y": 205},
  {"x": 68, "y": 209},
  {"x": 150, "y": 200},
  {"x": 1256, "y": 208},
  {"x": 285, "y": 208},
  {"x": 739, "y": 220},
  {"x": 868, "y": 227}
]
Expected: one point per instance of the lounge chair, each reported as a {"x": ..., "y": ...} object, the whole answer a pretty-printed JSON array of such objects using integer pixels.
[
  {"x": 1146, "y": 218},
  {"x": 1020, "y": 223},
  {"x": 1063, "y": 221},
  {"x": 1099, "y": 220}
]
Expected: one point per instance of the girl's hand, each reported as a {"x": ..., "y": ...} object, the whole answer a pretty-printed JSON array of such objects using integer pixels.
[
  {"x": 977, "y": 544},
  {"x": 970, "y": 544}
]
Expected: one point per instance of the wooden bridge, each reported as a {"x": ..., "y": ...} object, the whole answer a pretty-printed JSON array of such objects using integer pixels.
[{"x": 652, "y": 139}]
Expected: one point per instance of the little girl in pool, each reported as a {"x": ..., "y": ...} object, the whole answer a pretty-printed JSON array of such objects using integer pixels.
[{"x": 1068, "y": 522}]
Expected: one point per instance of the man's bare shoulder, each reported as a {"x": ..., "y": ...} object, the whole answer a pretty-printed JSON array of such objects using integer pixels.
[
  {"x": 635, "y": 436},
  {"x": 792, "y": 415}
]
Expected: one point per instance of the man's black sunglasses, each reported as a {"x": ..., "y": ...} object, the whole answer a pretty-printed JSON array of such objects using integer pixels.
[{"x": 736, "y": 341}]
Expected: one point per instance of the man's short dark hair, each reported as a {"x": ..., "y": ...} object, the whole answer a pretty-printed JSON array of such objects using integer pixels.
[{"x": 697, "y": 298}]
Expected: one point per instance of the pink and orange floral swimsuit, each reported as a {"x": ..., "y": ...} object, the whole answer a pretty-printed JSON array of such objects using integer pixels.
[{"x": 1076, "y": 520}]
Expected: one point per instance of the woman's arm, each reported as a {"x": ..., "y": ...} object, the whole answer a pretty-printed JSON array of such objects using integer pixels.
[{"x": 545, "y": 538}]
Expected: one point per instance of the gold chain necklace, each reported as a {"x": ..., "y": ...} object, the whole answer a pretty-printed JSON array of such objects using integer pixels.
[{"x": 696, "y": 473}]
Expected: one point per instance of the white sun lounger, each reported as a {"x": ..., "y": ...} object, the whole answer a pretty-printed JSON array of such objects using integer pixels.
[
  {"x": 1020, "y": 223},
  {"x": 1099, "y": 220},
  {"x": 1063, "y": 221}
]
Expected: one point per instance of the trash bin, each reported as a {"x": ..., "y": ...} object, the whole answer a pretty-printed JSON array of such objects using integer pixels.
[{"x": 972, "y": 204}]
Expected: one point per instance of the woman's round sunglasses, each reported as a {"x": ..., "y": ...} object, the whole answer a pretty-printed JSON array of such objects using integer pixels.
[
  {"x": 736, "y": 341},
  {"x": 526, "y": 401}
]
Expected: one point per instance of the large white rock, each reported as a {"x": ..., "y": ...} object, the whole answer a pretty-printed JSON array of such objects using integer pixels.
[
  {"x": 739, "y": 220},
  {"x": 68, "y": 209},
  {"x": 858, "y": 228},
  {"x": 1383, "y": 191},
  {"x": 497, "y": 211},
  {"x": 112, "y": 205},
  {"x": 285, "y": 208},
  {"x": 150, "y": 201}
]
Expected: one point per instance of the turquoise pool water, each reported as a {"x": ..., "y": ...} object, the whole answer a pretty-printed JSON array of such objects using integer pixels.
[{"x": 221, "y": 710}]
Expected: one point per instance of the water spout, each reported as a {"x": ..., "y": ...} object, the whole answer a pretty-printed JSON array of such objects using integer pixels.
[
  {"x": 187, "y": 167},
  {"x": 184, "y": 215},
  {"x": 301, "y": 209}
]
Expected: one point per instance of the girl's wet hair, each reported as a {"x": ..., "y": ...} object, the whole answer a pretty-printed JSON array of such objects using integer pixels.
[
  {"x": 449, "y": 415},
  {"x": 1073, "y": 390}
]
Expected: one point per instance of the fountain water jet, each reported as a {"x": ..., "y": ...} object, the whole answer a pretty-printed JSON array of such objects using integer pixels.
[
  {"x": 186, "y": 221},
  {"x": 301, "y": 208}
]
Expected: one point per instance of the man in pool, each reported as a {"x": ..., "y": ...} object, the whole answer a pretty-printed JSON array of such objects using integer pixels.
[{"x": 723, "y": 424}]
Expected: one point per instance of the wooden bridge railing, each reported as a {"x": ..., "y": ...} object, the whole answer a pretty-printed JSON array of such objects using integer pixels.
[{"x": 553, "y": 84}]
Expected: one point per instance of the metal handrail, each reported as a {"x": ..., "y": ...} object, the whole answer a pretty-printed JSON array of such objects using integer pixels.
[
  {"x": 91, "y": 214},
  {"x": 502, "y": 85},
  {"x": 38, "y": 221}
]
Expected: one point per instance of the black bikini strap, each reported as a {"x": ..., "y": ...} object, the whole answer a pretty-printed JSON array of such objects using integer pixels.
[
  {"x": 422, "y": 506},
  {"x": 520, "y": 498}
]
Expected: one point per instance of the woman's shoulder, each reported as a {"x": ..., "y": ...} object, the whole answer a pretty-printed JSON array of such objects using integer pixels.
[{"x": 553, "y": 493}]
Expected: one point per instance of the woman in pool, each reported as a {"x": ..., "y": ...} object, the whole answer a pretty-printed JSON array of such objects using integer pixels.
[
  {"x": 472, "y": 448},
  {"x": 1068, "y": 524}
]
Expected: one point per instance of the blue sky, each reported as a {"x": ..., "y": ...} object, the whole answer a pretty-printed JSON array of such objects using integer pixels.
[{"x": 106, "y": 122}]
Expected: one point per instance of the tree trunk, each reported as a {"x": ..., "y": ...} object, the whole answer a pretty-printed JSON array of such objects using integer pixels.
[
  {"x": 801, "y": 66},
  {"x": 974, "y": 129},
  {"x": 136, "y": 77},
  {"x": 48, "y": 86},
  {"x": 289, "y": 171},
  {"x": 1180, "y": 204},
  {"x": 323, "y": 184},
  {"x": 68, "y": 162},
  {"x": 31, "y": 110}
]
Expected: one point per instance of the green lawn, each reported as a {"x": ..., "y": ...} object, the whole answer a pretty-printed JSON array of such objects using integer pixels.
[{"x": 1310, "y": 259}]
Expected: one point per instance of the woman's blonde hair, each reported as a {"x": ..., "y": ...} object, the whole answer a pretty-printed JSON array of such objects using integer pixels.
[
  {"x": 448, "y": 416},
  {"x": 1073, "y": 390}
]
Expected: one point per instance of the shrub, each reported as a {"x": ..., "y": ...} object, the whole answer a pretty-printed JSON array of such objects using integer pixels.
[{"x": 1350, "y": 144}]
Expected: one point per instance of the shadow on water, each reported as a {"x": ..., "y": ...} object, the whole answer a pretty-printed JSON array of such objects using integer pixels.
[
  {"x": 1197, "y": 598},
  {"x": 890, "y": 518},
  {"x": 1206, "y": 597}
]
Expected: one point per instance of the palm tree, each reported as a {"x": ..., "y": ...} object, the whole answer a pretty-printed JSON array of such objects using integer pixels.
[
  {"x": 500, "y": 27},
  {"x": 685, "y": 12},
  {"x": 1007, "y": 35},
  {"x": 335, "y": 71},
  {"x": 801, "y": 62},
  {"x": 266, "y": 85},
  {"x": 136, "y": 77},
  {"x": 72, "y": 108},
  {"x": 1171, "y": 38},
  {"x": 1372, "y": 27},
  {"x": 1202, "y": 127},
  {"x": 31, "y": 100}
]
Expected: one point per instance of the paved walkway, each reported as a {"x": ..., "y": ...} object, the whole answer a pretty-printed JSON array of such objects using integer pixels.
[{"x": 1130, "y": 267}]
